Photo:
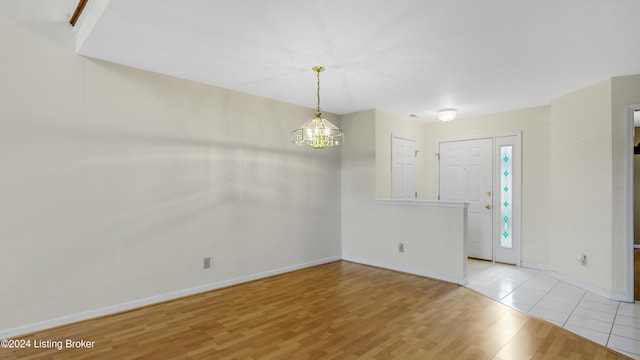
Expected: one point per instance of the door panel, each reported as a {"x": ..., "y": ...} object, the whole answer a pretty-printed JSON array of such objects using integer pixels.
[
  {"x": 403, "y": 175},
  {"x": 466, "y": 174}
]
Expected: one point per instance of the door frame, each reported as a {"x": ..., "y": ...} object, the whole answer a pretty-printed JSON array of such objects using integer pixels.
[
  {"x": 630, "y": 202},
  {"x": 517, "y": 181}
]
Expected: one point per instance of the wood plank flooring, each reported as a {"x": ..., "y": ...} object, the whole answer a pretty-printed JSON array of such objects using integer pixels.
[{"x": 339, "y": 310}]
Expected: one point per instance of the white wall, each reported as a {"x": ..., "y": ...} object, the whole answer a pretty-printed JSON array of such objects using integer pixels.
[
  {"x": 574, "y": 177},
  {"x": 581, "y": 185},
  {"x": 388, "y": 125},
  {"x": 115, "y": 182},
  {"x": 433, "y": 236},
  {"x": 573, "y": 192},
  {"x": 533, "y": 123},
  {"x": 589, "y": 184},
  {"x": 625, "y": 91},
  {"x": 358, "y": 171}
]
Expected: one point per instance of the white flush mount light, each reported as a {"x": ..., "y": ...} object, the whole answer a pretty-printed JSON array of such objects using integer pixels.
[{"x": 447, "y": 114}]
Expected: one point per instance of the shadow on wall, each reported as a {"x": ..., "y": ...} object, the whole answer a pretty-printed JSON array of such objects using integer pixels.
[{"x": 129, "y": 189}]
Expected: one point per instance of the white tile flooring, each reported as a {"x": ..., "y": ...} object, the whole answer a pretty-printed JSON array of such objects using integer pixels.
[{"x": 610, "y": 323}]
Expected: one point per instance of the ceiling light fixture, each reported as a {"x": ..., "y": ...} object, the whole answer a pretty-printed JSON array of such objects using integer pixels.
[
  {"x": 447, "y": 114},
  {"x": 318, "y": 132}
]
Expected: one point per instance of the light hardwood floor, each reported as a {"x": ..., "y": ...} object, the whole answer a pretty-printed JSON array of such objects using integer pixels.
[{"x": 339, "y": 310}]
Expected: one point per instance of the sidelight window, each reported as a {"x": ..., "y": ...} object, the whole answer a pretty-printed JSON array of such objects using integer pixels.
[{"x": 506, "y": 200}]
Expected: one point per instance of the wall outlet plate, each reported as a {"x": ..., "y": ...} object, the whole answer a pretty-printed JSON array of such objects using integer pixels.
[
  {"x": 206, "y": 264},
  {"x": 401, "y": 247}
]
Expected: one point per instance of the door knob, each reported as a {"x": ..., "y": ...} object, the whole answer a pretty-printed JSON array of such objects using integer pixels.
[
  {"x": 487, "y": 206},
  {"x": 488, "y": 193}
]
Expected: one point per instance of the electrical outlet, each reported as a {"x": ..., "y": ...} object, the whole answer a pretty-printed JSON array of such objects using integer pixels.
[
  {"x": 401, "y": 247},
  {"x": 206, "y": 263},
  {"x": 582, "y": 259}
]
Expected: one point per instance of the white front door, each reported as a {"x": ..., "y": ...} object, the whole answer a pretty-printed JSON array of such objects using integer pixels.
[
  {"x": 466, "y": 174},
  {"x": 403, "y": 173}
]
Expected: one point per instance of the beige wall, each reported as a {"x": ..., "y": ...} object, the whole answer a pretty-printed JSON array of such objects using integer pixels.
[
  {"x": 573, "y": 182},
  {"x": 386, "y": 126},
  {"x": 573, "y": 192},
  {"x": 625, "y": 91},
  {"x": 581, "y": 185},
  {"x": 533, "y": 123},
  {"x": 117, "y": 182},
  {"x": 589, "y": 172},
  {"x": 433, "y": 236},
  {"x": 358, "y": 177}
]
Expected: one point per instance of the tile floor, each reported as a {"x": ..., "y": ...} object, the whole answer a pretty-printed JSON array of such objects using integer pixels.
[{"x": 610, "y": 323}]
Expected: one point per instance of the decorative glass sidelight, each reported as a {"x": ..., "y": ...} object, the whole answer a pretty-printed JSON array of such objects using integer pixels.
[{"x": 506, "y": 184}]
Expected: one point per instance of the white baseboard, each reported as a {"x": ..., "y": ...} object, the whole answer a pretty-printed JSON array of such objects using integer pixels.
[
  {"x": 71, "y": 318},
  {"x": 429, "y": 274},
  {"x": 591, "y": 288},
  {"x": 624, "y": 297},
  {"x": 617, "y": 296},
  {"x": 542, "y": 267}
]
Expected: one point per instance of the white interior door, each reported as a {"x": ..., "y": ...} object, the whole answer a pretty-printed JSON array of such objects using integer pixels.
[
  {"x": 466, "y": 174},
  {"x": 403, "y": 173}
]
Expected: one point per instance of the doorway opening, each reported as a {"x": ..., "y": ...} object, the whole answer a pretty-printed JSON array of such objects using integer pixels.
[
  {"x": 633, "y": 189},
  {"x": 486, "y": 172}
]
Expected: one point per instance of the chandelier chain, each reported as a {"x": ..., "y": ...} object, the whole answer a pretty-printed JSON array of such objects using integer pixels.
[{"x": 318, "y": 75}]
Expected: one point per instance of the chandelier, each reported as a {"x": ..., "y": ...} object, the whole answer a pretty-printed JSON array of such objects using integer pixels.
[{"x": 318, "y": 132}]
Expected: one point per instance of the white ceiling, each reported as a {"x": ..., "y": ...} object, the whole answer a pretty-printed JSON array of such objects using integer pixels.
[
  {"x": 36, "y": 11},
  {"x": 403, "y": 56}
]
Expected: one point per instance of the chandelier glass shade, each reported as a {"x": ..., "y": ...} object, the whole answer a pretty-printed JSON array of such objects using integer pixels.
[{"x": 318, "y": 132}]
